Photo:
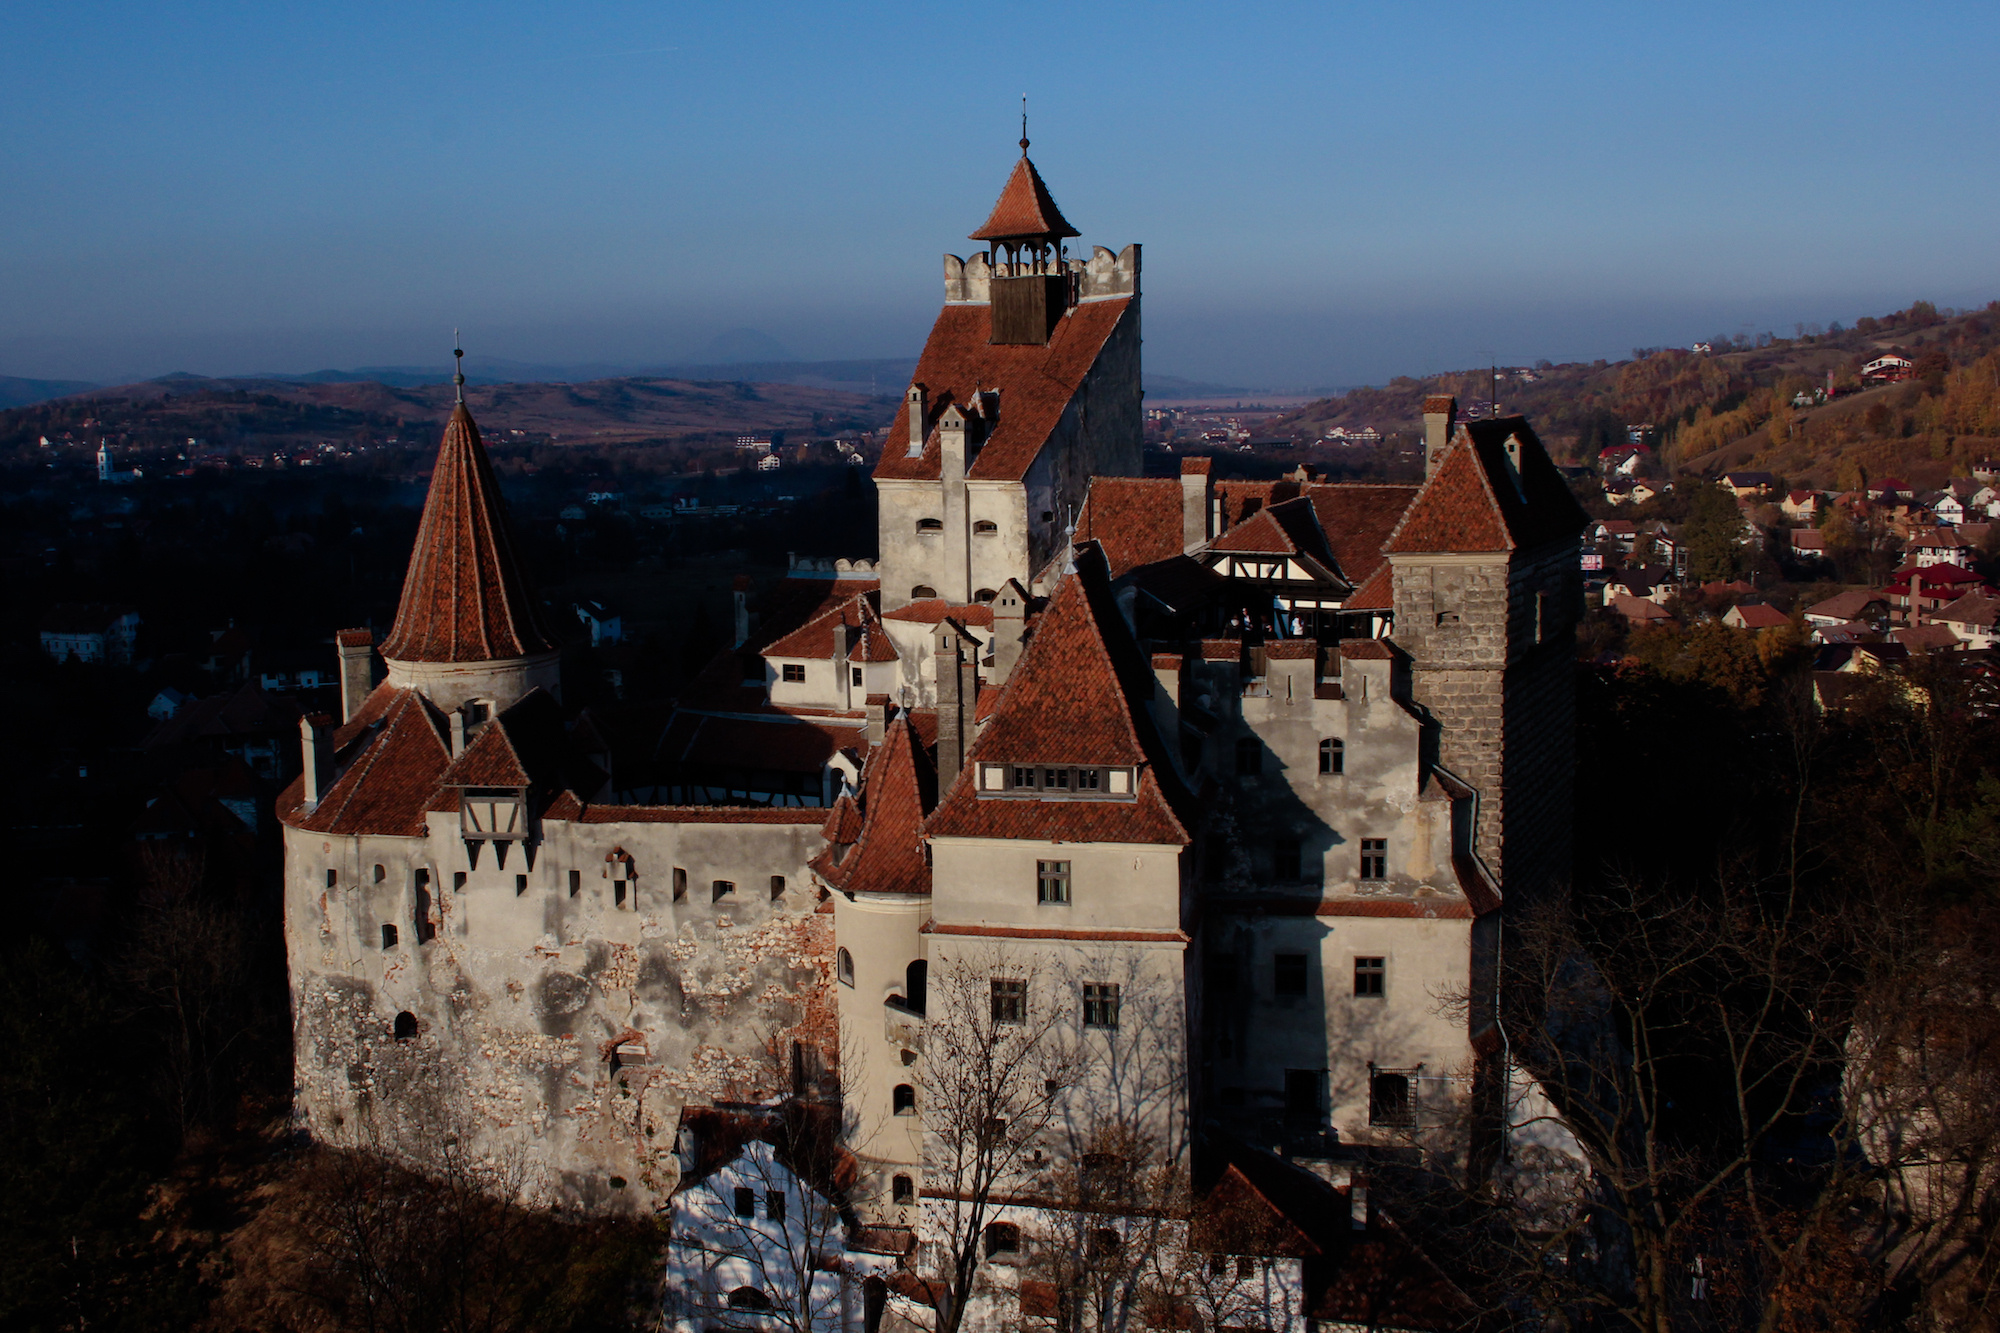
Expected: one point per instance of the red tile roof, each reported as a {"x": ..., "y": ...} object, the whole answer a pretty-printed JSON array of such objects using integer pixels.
[
  {"x": 1376, "y": 593},
  {"x": 1137, "y": 521},
  {"x": 698, "y": 814},
  {"x": 1366, "y": 650},
  {"x": 1440, "y": 402},
  {"x": 843, "y": 825},
  {"x": 828, "y": 634},
  {"x": 1357, "y": 518},
  {"x": 490, "y": 761},
  {"x": 1196, "y": 467},
  {"x": 1290, "y": 527},
  {"x": 1221, "y": 650},
  {"x": 1291, "y": 650},
  {"x": 1024, "y": 209},
  {"x": 1063, "y": 704},
  {"x": 354, "y": 638},
  {"x": 391, "y": 783},
  {"x": 933, "y": 610},
  {"x": 1471, "y": 502},
  {"x": 1755, "y": 615},
  {"x": 1035, "y": 384},
  {"x": 888, "y": 856},
  {"x": 464, "y": 598}
]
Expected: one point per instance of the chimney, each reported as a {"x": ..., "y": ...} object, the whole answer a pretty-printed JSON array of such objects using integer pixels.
[
  {"x": 1440, "y": 416},
  {"x": 1010, "y": 619},
  {"x": 1167, "y": 698},
  {"x": 951, "y": 444},
  {"x": 740, "y": 598},
  {"x": 315, "y": 757},
  {"x": 915, "y": 402},
  {"x": 357, "y": 669},
  {"x": 457, "y": 732},
  {"x": 1196, "y": 514},
  {"x": 1916, "y": 599},
  {"x": 950, "y": 704},
  {"x": 878, "y": 719}
]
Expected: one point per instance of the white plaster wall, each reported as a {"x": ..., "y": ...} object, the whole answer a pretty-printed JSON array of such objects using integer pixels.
[
  {"x": 1113, "y": 886},
  {"x": 883, "y": 934}
]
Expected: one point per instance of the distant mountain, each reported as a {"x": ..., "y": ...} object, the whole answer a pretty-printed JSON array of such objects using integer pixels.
[
  {"x": 15, "y": 392},
  {"x": 1174, "y": 386}
]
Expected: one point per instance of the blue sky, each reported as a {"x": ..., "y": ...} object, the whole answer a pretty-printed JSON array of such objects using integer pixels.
[{"x": 1327, "y": 193}]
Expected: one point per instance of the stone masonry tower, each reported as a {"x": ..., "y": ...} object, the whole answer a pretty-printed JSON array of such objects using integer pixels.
[{"x": 1487, "y": 595}]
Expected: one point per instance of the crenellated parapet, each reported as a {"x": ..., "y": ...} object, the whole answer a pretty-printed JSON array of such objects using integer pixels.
[{"x": 1103, "y": 276}]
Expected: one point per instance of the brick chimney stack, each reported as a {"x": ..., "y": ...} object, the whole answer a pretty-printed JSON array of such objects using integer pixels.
[
  {"x": 315, "y": 757},
  {"x": 357, "y": 669}
]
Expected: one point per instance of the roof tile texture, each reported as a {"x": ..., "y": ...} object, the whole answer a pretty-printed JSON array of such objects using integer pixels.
[{"x": 1025, "y": 208}]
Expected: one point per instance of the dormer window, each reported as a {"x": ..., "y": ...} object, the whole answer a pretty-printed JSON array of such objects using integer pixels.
[
  {"x": 1050, "y": 782},
  {"x": 493, "y": 814}
]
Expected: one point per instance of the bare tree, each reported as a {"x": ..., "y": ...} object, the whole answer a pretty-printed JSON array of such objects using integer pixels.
[{"x": 995, "y": 1067}]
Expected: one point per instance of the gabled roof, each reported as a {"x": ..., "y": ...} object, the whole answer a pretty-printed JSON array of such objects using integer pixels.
[
  {"x": 1755, "y": 615},
  {"x": 1356, "y": 519},
  {"x": 843, "y": 824},
  {"x": 850, "y": 628},
  {"x": 490, "y": 761},
  {"x": 1067, "y": 702},
  {"x": 1471, "y": 502},
  {"x": 1290, "y": 527},
  {"x": 464, "y": 598},
  {"x": 1035, "y": 386},
  {"x": 896, "y": 789},
  {"x": 1975, "y": 608},
  {"x": 1377, "y": 593},
  {"x": 389, "y": 783},
  {"x": 1136, "y": 520},
  {"x": 1846, "y": 606},
  {"x": 934, "y": 610},
  {"x": 1025, "y": 209}
]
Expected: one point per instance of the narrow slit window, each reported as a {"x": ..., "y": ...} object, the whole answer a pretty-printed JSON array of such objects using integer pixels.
[
  {"x": 520, "y": 885},
  {"x": 680, "y": 883},
  {"x": 333, "y": 879},
  {"x": 720, "y": 889},
  {"x": 575, "y": 882},
  {"x": 777, "y": 887}
]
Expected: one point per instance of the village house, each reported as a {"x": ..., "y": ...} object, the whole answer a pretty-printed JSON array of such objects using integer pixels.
[
  {"x": 1861, "y": 604},
  {"x": 1801, "y": 506},
  {"x": 90, "y": 632},
  {"x": 1755, "y": 616},
  {"x": 1972, "y": 618},
  {"x": 1748, "y": 485}
]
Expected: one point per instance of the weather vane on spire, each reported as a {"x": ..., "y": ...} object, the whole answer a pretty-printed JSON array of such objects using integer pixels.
[
  {"x": 1024, "y": 124},
  {"x": 458, "y": 368}
]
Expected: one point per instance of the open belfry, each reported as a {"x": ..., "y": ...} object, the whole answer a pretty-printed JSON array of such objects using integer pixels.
[{"x": 1223, "y": 787}]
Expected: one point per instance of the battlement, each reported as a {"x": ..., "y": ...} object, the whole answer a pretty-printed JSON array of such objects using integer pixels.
[{"x": 1103, "y": 276}]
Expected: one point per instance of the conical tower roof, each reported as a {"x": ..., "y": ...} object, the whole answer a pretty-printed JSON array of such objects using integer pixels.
[
  {"x": 464, "y": 599},
  {"x": 1025, "y": 209}
]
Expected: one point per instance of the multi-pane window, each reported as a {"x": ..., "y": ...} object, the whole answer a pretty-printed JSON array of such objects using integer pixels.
[
  {"x": 1051, "y": 881},
  {"x": 1369, "y": 975},
  {"x": 1374, "y": 858},
  {"x": 1289, "y": 973},
  {"x": 1100, "y": 1004},
  {"x": 1055, "y": 779},
  {"x": 1389, "y": 1099},
  {"x": 1010, "y": 1001},
  {"x": 1024, "y": 777},
  {"x": 794, "y": 672},
  {"x": 1332, "y": 756},
  {"x": 1087, "y": 779}
]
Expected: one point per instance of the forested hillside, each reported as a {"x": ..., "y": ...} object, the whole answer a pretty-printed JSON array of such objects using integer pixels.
[{"x": 1732, "y": 407}]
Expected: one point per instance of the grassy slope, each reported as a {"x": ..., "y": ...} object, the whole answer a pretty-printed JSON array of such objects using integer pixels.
[{"x": 1713, "y": 412}]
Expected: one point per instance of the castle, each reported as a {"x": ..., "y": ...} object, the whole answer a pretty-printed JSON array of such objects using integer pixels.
[{"x": 1224, "y": 783}]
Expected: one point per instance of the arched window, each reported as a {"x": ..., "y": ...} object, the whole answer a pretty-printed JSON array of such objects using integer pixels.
[
  {"x": 930, "y": 525},
  {"x": 748, "y": 1298},
  {"x": 985, "y": 527},
  {"x": 916, "y": 984},
  {"x": 984, "y": 595},
  {"x": 874, "y": 1299},
  {"x": 902, "y": 1189},
  {"x": 843, "y": 966},
  {"x": 1104, "y": 1243},
  {"x": 406, "y": 1025},
  {"x": 1332, "y": 756},
  {"x": 922, "y": 592},
  {"x": 381, "y": 873},
  {"x": 904, "y": 1099},
  {"x": 1002, "y": 1238}
]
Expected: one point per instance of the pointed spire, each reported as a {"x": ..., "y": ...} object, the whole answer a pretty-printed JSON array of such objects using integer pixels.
[
  {"x": 1025, "y": 210},
  {"x": 464, "y": 599},
  {"x": 458, "y": 368},
  {"x": 1024, "y": 124}
]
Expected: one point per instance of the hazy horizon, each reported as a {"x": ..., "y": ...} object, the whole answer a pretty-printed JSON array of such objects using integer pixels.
[{"x": 1325, "y": 197}]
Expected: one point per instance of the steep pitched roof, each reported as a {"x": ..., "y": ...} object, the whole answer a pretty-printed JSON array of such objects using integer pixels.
[
  {"x": 828, "y": 634},
  {"x": 1065, "y": 703},
  {"x": 389, "y": 783},
  {"x": 1290, "y": 527},
  {"x": 1136, "y": 520},
  {"x": 1035, "y": 386},
  {"x": 1357, "y": 518},
  {"x": 1471, "y": 503},
  {"x": 464, "y": 598},
  {"x": 888, "y": 856},
  {"x": 1024, "y": 209}
]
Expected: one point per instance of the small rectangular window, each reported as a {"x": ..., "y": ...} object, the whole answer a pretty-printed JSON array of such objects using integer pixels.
[
  {"x": 1100, "y": 1004},
  {"x": 777, "y": 887},
  {"x": 746, "y": 1201},
  {"x": 1051, "y": 881},
  {"x": 721, "y": 889},
  {"x": 774, "y": 1205},
  {"x": 794, "y": 673},
  {"x": 1010, "y": 1001},
  {"x": 1389, "y": 1100},
  {"x": 1024, "y": 777},
  {"x": 520, "y": 885},
  {"x": 333, "y": 879},
  {"x": 854, "y": 674},
  {"x": 1374, "y": 858},
  {"x": 458, "y": 878},
  {"x": 1088, "y": 779},
  {"x": 1332, "y": 757},
  {"x": 680, "y": 883},
  {"x": 1369, "y": 974},
  {"x": 1289, "y": 974},
  {"x": 388, "y": 936},
  {"x": 1055, "y": 779},
  {"x": 575, "y": 882}
]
